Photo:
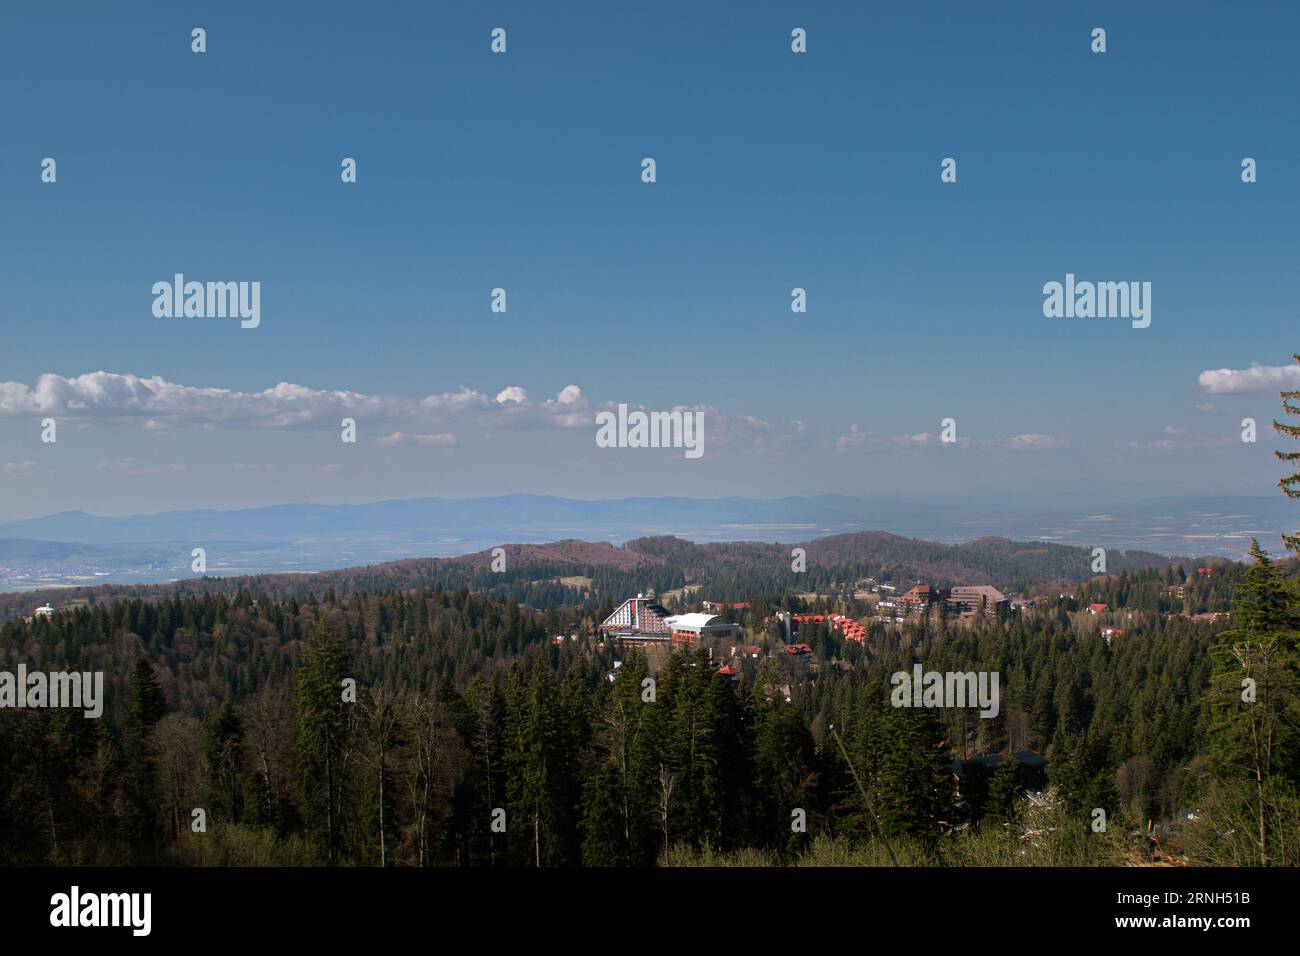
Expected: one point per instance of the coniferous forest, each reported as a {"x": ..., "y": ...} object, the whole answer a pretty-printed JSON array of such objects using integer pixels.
[{"x": 435, "y": 727}]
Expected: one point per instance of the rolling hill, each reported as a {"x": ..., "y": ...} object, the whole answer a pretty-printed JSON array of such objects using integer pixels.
[{"x": 728, "y": 571}]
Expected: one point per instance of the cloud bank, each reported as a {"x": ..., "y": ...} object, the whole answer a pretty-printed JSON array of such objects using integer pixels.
[
  {"x": 160, "y": 403},
  {"x": 1257, "y": 378}
]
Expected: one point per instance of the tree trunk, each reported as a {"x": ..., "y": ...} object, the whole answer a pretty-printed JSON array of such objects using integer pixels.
[
  {"x": 537, "y": 835},
  {"x": 329, "y": 802},
  {"x": 383, "y": 850}
]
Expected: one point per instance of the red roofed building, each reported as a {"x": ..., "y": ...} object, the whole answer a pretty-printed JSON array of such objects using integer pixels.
[
  {"x": 921, "y": 596},
  {"x": 853, "y": 631},
  {"x": 848, "y": 628},
  {"x": 1098, "y": 608}
]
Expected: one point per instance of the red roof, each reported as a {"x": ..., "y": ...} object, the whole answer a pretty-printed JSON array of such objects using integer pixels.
[
  {"x": 854, "y": 631},
  {"x": 798, "y": 649},
  {"x": 726, "y": 670},
  {"x": 850, "y": 628},
  {"x": 1097, "y": 608}
]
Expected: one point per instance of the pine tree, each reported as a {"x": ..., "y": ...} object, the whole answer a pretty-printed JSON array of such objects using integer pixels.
[
  {"x": 915, "y": 776},
  {"x": 1255, "y": 689},
  {"x": 222, "y": 742},
  {"x": 1005, "y": 790},
  {"x": 145, "y": 708},
  {"x": 323, "y": 728},
  {"x": 784, "y": 774},
  {"x": 541, "y": 764},
  {"x": 693, "y": 750},
  {"x": 1290, "y": 485},
  {"x": 604, "y": 841},
  {"x": 626, "y": 725}
]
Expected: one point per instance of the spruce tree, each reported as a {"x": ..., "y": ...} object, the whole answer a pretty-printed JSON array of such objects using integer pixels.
[
  {"x": 784, "y": 774},
  {"x": 145, "y": 708},
  {"x": 1290, "y": 485},
  {"x": 222, "y": 742},
  {"x": 1005, "y": 791},
  {"x": 1253, "y": 734},
  {"x": 540, "y": 770},
  {"x": 322, "y": 729},
  {"x": 604, "y": 841}
]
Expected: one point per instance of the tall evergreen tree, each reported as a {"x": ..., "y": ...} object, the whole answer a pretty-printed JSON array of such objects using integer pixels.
[
  {"x": 1006, "y": 789},
  {"x": 1290, "y": 484},
  {"x": 323, "y": 729},
  {"x": 222, "y": 742},
  {"x": 1255, "y": 696},
  {"x": 146, "y": 705}
]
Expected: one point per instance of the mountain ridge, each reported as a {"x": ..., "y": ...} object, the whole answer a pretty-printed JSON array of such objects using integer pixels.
[{"x": 534, "y": 573}]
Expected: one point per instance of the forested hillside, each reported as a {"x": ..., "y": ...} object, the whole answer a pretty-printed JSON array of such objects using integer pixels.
[
  {"x": 541, "y": 575},
  {"x": 475, "y": 738}
]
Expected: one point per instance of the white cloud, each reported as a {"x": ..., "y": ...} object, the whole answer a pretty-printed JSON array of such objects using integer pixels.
[
  {"x": 1026, "y": 441},
  {"x": 401, "y": 438},
  {"x": 512, "y": 408},
  {"x": 1210, "y": 443},
  {"x": 1033, "y": 441},
  {"x": 855, "y": 438},
  {"x": 160, "y": 403},
  {"x": 1162, "y": 444},
  {"x": 129, "y": 466},
  {"x": 433, "y": 420},
  {"x": 1257, "y": 378}
]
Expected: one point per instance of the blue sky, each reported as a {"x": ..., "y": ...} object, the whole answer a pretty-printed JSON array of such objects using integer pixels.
[{"x": 522, "y": 171}]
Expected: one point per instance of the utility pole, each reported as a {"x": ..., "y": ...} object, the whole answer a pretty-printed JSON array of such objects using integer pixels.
[{"x": 866, "y": 799}]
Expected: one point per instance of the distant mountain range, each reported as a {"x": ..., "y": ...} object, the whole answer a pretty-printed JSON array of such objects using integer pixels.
[
  {"x": 625, "y": 518},
  {"x": 23, "y": 549},
  {"x": 583, "y": 572},
  {"x": 509, "y": 513},
  {"x": 71, "y": 547}
]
